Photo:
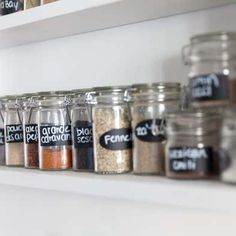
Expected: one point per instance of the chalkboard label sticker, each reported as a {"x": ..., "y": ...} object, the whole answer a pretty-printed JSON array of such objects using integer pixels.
[
  {"x": 2, "y": 137},
  {"x": 117, "y": 139},
  {"x": 31, "y": 133},
  {"x": 14, "y": 133}
]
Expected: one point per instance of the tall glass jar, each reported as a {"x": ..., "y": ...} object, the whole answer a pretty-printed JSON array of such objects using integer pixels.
[
  {"x": 3, "y": 101},
  {"x": 30, "y": 124},
  {"x": 148, "y": 105},
  {"x": 193, "y": 139},
  {"x": 228, "y": 146},
  {"x": 111, "y": 132},
  {"x": 55, "y": 150},
  {"x": 14, "y": 132},
  {"x": 83, "y": 159},
  {"x": 211, "y": 58}
]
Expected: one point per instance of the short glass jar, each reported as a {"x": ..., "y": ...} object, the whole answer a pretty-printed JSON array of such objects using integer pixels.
[
  {"x": 211, "y": 58},
  {"x": 14, "y": 132},
  {"x": 55, "y": 150},
  {"x": 82, "y": 133},
  {"x": 228, "y": 146},
  {"x": 112, "y": 132},
  {"x": 3, "y": 101},
  {"x": 193, "y": 140},
  {"x": 30, "y": 124},
  {"x": 148, "y": 104}
]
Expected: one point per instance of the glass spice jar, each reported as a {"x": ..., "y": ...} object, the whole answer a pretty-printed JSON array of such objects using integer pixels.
[
  {"x": 148, "y": 104},
  {"x": 30, "y": 124},
  {"x": 14, "y": 132},
  {"x": 83, "y": 158},
  {"x": 112, "y": 132},
  {"x": 3, "y": 101},
  {"x": 193, "y": 139},
  {"x": 55, "y": 151},
  {"x": 211, "y": 58},
  {"x": 228, "y": 146}
]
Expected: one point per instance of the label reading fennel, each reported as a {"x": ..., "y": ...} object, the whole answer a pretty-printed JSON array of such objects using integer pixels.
[
  {"x": 117, "y": 139},
  {"x": 14, "y": 133},
  {"x": 83, "y": 135},
  {"x": 55, "y": 135},
  {"x": 191, "y": 159},
  {"x": 209, "y": 87},
  {"x": 2, "y": 137},
  {"x": 151, "y": 130},
  {"x": 31, "y": 133}
]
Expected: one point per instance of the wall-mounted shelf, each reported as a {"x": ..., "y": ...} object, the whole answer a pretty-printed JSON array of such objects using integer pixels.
[
  {"x": 207, "y": 195},
  {"x": 70, "y": 17}
]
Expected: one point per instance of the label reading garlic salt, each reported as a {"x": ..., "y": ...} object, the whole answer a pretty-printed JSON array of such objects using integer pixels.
[
  {"x": 117, "y": 139},
  {"x": 83, "y": 135},
  {"x": 151, "y": 130},
  {"x": 55, "y": 135},
  {"x": 2, "y": 137},
  {"x": 14, "y": 133},
  {"x": 209, "y": 87},
  {"x": 31, "y": 133},
  {"x": 191, "y": 159}
]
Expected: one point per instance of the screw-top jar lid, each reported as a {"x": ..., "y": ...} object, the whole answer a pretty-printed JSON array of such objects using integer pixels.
[
  {"x": 193, "y": 122},
  {"x": 153, "y": 91}
]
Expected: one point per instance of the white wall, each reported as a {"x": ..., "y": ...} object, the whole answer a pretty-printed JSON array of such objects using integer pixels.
[{"x": 144, "y": 52}]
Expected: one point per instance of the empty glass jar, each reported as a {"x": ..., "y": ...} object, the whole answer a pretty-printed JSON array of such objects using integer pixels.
[
  {"x": 55, "y": 150},
  {"x": 148, "y": 105},
  {"x": 211, "y": 58},
  {"x": 193, "y": 140},
  {"x": 14, "y": 132}
]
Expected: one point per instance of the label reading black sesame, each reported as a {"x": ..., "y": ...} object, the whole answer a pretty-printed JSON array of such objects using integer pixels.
[
  {"x": 55, "y": 135},
  {"x": 14, "y": 133},
  {"x": 151, "y": 130},
  {"x": 209, "y": 87},
  {"x": 191, "y": 159},
  {"x": 83, "y": 134},
  {"x": 117, "y": 139},
  {"x": 31, "y": 133}
]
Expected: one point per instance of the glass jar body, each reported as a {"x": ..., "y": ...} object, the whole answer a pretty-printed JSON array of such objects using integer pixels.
[
  {"x": 149, "y": 138},
  {"x": 30, "y": 123},
  {"x": 55, "y": 150},
  {"x": 112, "y": 139},
  {"x": 192, "y": 156},
  {"x": 83, "y": 158},
  {"x": 14, "y": 138}
]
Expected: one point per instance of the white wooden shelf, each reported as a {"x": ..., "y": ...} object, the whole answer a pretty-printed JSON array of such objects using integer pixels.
[
  {"x": 206, "y": 195},
  {"x": 70, "y": 17}
]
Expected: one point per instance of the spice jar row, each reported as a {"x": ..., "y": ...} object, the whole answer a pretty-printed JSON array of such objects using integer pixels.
[{"x": 11, "y": 6}]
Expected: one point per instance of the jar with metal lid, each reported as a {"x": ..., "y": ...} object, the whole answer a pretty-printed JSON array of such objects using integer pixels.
[
  {"x": 55, "y": 150},
  {"x": 3, "y": 101},
  {"x": 148, "y": 104},
  {"x": 211, "y": 58},
  {"x": 228, "y": 146},
  {"x": 112, "y": 132},
  {"x": 83, "y": 159},
  {"x": 193, "y": 139},
  {"x": 14, "y": 131},
  {"x": 30, "y": 124}
]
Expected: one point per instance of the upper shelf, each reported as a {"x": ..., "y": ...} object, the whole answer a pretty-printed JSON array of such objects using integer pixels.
[
  {"x": 70, "y": 17},
  {"x": 205, "y": 195}
]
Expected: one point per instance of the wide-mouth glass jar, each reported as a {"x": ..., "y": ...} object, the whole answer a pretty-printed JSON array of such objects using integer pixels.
[
  {"x": 14, "y": 131},
  {"x": 148, "y": 104},
  {"x": 83, "y": 158},
  {"x": 55, "y": 150},
  {"x": 30, "y": 124},
  {"x": 112, "y": 132},
  {"x": 211, "y": 58},
  {"x": 228, "y": 146},
  {"x": 193, "y": 139}
]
